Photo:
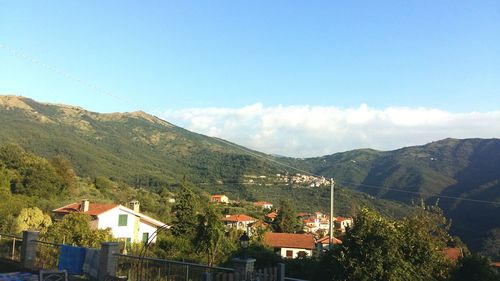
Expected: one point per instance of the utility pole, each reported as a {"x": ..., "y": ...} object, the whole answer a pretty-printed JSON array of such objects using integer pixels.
[{"x": 332, "y": 198}]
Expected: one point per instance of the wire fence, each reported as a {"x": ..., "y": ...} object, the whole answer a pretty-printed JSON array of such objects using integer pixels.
[
  {"x": 10, "y": 247},
  {"x": 152, "y": 269},
  {"x": 47, "y": 254}
]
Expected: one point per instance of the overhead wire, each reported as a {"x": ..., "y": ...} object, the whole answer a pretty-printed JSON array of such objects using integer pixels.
[{"x": 248, "y": 151}]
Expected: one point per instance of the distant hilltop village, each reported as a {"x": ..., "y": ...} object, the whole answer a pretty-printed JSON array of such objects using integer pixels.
[{"x": 286, "y": 179}]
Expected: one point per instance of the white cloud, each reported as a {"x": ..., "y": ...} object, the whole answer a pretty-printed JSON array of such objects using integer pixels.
[{"x": 304, "y": 131}]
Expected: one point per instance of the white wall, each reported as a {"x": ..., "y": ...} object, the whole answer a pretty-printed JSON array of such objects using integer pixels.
[
  {"x": 110, "y": 219},
  {"x": 295, "y": 252}
]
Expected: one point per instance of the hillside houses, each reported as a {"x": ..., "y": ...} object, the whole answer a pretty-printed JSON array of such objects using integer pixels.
[
  {"x": 219, "y": 198},
  {"x": 126, "y": 224},
  {"x": 291, "y": 245},
  {"x": 239, "y": 221}
]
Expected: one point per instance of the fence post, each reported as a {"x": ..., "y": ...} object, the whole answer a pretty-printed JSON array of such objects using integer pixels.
[
  {"x": 107, "y": 260},
  {"x": 245, "y": 267},
  {"x": 281, "y": 272},
  {"x": 28, "y": 250}
]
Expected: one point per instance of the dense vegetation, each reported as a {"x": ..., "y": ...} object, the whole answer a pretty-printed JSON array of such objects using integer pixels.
[{"x": 148, "y": 157}]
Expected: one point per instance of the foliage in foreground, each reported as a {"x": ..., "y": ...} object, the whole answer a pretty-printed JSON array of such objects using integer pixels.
[{"x": 377, "y": 248}]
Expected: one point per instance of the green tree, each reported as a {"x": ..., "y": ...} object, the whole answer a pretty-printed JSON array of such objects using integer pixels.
[
  {"x": 287, "y": 220},
  {"x": 185, "y": 213},
  {"x": 32, "y": 219},
  {"x": 210, "y": 238},
  {"x": 377, "y": 248},
  {"x": 75, "y": 229},
  {"x": 474, "y": 267},
  {"x": 65, "y": 171}
]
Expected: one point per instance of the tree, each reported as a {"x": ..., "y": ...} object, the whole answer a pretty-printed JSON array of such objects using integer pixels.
[
  {"x": 65, "y": 171},
  {"x": 32, "y": 219},
  {"x": 474, "y": 267},
  {"x": 491, "y": 245},
  {"x": 377, "y": 248},
  {"x": 210, "y": 238},
  {"x": 185, "y": 213},
  {"x": 75, "y": 229},
  {"x": 287, "y": 220}
]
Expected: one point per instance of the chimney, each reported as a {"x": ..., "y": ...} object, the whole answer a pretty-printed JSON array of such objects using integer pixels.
[
  {"x": 85, "y": 205},
  {"x": 134, "y": 205}
]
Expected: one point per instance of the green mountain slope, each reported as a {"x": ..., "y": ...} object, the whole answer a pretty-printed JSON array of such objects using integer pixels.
[
  {"x": 134, "y": 147},
  {"x": 144, "y": 151},
  {"x": 467, "y": 169}
]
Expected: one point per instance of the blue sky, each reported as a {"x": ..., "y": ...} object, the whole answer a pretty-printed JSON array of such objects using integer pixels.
[{"x": 167, "y": 57}]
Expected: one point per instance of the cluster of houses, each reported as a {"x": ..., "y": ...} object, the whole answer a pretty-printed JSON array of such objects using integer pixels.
[
  {"x": 128, "y": 224},
  {"x": 295, "y": 179},
  {"x": 289, "y": 245}
]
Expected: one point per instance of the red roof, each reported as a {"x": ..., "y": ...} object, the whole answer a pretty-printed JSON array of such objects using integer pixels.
[
  {"x": 453, "y": 253},
  {"x": 326, "y": 240},
  {"x": 262, "y": 203},
  {"x": 217, "y": 196},
  {"x": 303, "y": 214},
  {"x": 496, "y": 264},
  {"x": 95, "y": 209},
  {"x": 340, "y": 219},
  {"x": 289, "y": 240},
  {"x": 238, "y": 218}
]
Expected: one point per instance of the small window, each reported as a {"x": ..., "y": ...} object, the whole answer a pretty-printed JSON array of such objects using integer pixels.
[
  {"x": 289, "y": 254},
  {"x": 122, "y": 220},
  {"x": 145, "y": 237}
]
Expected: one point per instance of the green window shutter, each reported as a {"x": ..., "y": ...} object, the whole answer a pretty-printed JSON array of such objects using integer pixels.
[
  {"x": 145, "y": 237},
  {"x": 122, "y": 220}
]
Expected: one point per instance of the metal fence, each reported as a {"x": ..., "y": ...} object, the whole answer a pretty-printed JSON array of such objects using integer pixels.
[
  {"x": 10, "y": 247},
  {"x": 47, "y": 254},
  {"x": 152, "y": 269}
]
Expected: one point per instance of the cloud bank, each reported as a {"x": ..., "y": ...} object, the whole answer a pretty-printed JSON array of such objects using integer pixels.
[{"x": 306, "y": 131}]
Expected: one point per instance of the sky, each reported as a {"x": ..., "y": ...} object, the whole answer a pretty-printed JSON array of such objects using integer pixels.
[{"x": 296, "y": 78}]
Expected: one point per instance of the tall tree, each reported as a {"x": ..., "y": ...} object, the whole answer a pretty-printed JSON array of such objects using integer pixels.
[
  {"x": 210, "y": 238},
  {"x": 185, "y": 213},
  {"x": 287, "y": 220}
]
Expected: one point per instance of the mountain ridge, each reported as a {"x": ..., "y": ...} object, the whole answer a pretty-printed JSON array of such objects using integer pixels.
[{"x": 145, "y": 151}]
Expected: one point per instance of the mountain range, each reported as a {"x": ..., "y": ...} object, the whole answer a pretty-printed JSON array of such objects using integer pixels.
[{"x": 145, "y": 151}]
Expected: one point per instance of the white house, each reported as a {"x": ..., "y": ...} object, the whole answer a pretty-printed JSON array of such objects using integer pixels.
[
  {"x": 219, "y": 198},
  {"x": 263, "y": 205},
  {"x": 126, "y": 224},
  {"x": 290, "y": 245},
  {"x": 342, "y": 223},
  {"x": 239, "y": 221}
]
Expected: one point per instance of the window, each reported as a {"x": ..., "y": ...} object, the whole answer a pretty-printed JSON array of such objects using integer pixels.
[
  {"x": 289, "y": 254},
  {"x": 145, "y": 237},
  {"x": 122, "y": 220}
]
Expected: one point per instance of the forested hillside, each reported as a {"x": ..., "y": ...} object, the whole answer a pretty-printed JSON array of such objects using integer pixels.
[
  {"x": 465, "y": 169},
  {"x": 142, "y": 151}
]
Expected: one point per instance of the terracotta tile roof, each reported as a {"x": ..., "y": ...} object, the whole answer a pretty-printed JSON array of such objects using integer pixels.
[
  {"x": 495, "y": 264},
  {"x": 218, "y": 195},
  {"x": 95, "y": 209},
  {"x": 262, "y": 203},
  {"x": 453, "y": 253},
  {"x": 303, "y": 214},
  {"x": 325, "y": 240},
  {"x": 289, "y": 240},
  {"x": 238, "y": 218},
  {"x": 340, "y": 219}
]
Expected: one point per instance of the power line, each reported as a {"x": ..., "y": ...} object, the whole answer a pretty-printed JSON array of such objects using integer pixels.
[
  {"x": 379, "y": 187},
  {"x": 65, "y": 74},
  {"x": 99, "y": 90}
]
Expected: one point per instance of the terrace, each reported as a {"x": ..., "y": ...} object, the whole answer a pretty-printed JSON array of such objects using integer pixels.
[{"x": 27, "y": 258}]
